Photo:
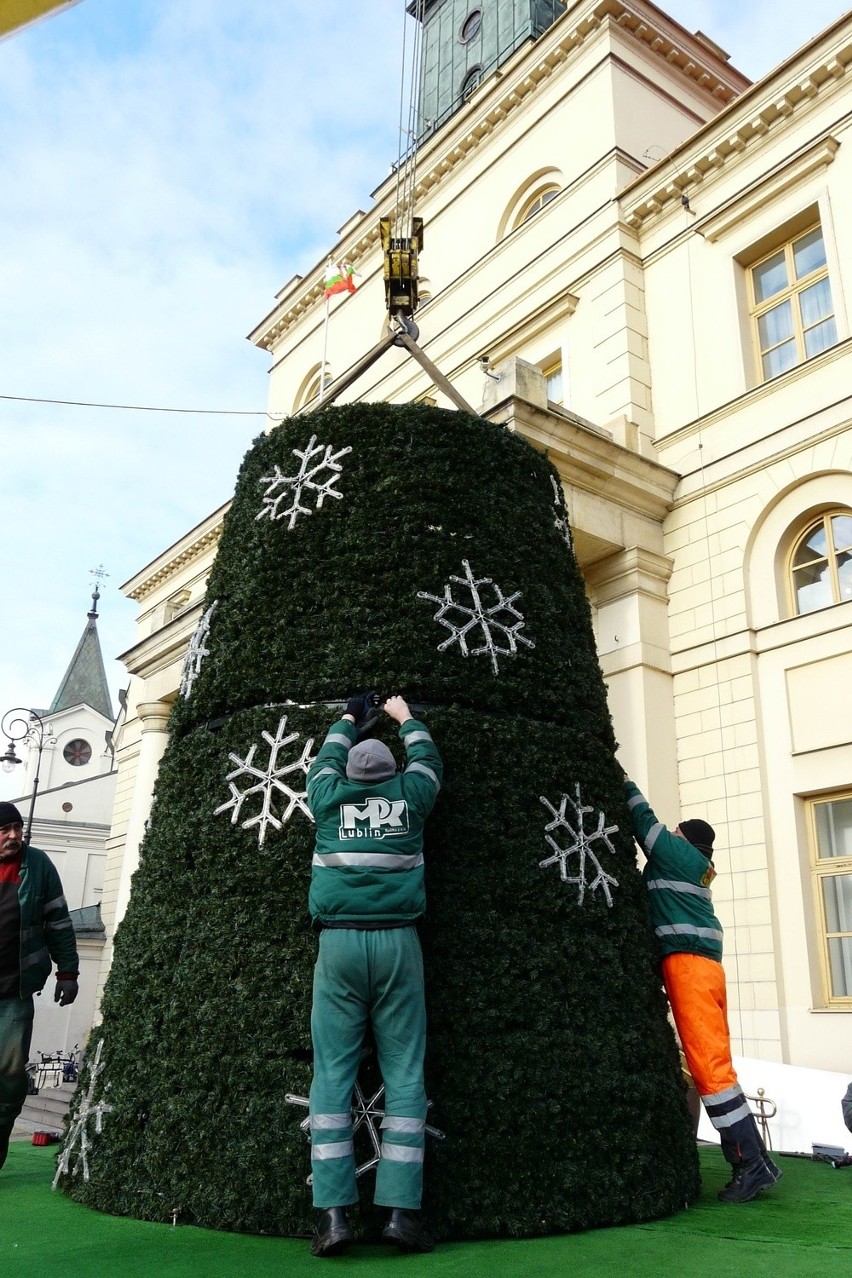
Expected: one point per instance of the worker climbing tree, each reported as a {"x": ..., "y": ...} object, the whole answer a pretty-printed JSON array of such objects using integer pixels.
[{"x": 427, "y": 553}]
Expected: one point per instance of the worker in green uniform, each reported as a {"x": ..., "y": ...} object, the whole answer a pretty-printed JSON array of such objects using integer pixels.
[
  {"x": 367, "y": 893},
  {"x": 678, "y": 876}
]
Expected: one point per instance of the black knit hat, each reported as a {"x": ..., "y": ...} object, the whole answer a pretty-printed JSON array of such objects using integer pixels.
[
  {"x": 9, "y": 815},
  {"x": 699, "y": 834}
]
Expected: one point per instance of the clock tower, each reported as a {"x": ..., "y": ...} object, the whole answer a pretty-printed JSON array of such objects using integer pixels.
[{"x": 464, "y": 41}]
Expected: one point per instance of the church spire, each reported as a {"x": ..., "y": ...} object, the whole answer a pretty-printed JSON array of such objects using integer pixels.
[{"x": 85, "y": 682}]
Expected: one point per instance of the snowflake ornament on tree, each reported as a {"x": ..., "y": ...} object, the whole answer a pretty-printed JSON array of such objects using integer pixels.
[
  {"x": 293, "y": 486},
  {"x": 269, "y": 783},
  {"x": 580, "y": 841},
  {"x": 79, "y": 1129},
  {"x": 365, "y": 1113},
  {"x": 560, "y": 514},
  {"x": 485, "y": 617},
  {"x": 196, "y": 652}
]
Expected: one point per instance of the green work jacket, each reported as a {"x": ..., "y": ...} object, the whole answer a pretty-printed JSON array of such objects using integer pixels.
[
  {"x": 46, "y": 928},
  {"x": 678, "y": 878},
  {"x": 367, "y": 868}
]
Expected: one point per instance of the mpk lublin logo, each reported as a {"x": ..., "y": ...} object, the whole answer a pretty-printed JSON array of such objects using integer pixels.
[{"x": 376, "y": 818}]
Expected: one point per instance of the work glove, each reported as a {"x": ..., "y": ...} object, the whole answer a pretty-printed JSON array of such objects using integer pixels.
[
  {"x": 357, "y": 706},
  {"x": 66, "y": 990},
  {"x": 366, "y": 707}
]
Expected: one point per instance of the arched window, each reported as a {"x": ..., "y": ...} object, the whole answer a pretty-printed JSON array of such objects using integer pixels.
[
  {"x": 821, "y": 563},
  {"x": 470, "y": 82},
  {"x": 536, "y": 203},
  {"x": 536, "y": 191},
  {"x": 310, "y": 387}
]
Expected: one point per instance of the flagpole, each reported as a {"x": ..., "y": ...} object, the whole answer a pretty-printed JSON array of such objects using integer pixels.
[{"x": 324, "y": 346}]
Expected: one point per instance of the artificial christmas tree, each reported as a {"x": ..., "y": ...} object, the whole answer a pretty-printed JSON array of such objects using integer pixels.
[{"x": 428, "y": 553}]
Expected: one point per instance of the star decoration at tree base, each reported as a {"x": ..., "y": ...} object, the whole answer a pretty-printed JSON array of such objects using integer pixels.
[
  {"x": 79, "y": 1129},
  {"x": 367, "y": 1113}
]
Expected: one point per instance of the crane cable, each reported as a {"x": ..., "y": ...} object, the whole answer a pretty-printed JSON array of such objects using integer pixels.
[{"x": 411, "y": 80}]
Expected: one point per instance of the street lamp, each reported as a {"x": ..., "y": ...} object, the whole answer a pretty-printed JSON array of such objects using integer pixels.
[{"x": 21, "y": 724}]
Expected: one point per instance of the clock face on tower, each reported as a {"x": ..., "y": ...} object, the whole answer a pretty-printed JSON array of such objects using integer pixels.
[{"x": 77, "y": 752}]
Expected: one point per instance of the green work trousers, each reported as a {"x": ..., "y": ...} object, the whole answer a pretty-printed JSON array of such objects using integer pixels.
[
  {"x": 368, "y": 977},
  {"x": 16, "y": 1031}
]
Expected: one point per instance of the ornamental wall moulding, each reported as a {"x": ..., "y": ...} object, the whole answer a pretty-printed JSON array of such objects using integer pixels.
[
  {"x": 741, "y": 133},
  {"x": 758, "y": 194},
  {"x": 176, "y": 563}
]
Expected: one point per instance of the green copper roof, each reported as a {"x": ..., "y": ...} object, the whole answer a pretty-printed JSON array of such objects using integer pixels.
[{"x": 85, "y": 682}]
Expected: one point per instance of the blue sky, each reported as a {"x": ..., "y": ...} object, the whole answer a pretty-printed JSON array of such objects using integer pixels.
[{"x": 164, "y": 168}]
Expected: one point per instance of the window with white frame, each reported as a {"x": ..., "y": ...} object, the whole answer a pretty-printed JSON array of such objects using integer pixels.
[
  {"x": 821, "y": 563},
  {"x": 831, "y": 846},
  {"x": 552, "y": 373},
  {"x": 791, "y": 304}
]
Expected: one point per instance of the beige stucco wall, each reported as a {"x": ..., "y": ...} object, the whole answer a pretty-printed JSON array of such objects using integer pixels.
[{"x": 754, "y": 733}]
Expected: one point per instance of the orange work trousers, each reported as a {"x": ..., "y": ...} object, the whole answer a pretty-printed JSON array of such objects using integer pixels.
[{"x": 696, "y": 989}]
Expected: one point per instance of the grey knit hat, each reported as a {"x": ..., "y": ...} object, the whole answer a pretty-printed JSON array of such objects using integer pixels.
[{"x": 370, "y": 761}]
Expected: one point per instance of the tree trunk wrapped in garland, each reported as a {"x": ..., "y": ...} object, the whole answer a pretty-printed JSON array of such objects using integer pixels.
[{"x": 411, "y": 550}]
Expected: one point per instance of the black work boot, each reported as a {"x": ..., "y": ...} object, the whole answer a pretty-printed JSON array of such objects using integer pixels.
[
  {"x": 332, "y": 1234},
  {"x": 406, "y": 1229},
  {"x": 748, "y": 1179},
  {"x": 4, "y": 1147}
]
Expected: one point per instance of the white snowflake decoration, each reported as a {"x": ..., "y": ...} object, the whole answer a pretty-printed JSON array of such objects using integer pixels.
[
  {"x": 484, "y": 617},
  {"x": 269, "y": 783},
  {"x": 293, "y": 486},
  {"x": 196, "y": 652},
  {"x": 560, "y": 514},
  {"x": 580, "y": 841},
  {"x": 79, "y": 1130},
  {"x": 365, "y": 1113}
]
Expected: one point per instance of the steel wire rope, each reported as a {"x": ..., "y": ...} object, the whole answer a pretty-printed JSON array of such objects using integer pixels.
[{"x": 410, "y": 84}]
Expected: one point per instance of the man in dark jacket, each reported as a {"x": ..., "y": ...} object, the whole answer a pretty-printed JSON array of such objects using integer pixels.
[
  {"x": 367, "y": 893},
  {"x": 35, "y": 927},
  {"x": 678, "y": 875}
]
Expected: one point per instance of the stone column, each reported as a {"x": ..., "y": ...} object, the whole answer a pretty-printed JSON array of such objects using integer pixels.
[
  {"x": 153, "y": 717},
  {"x": 628, "y": 591}
]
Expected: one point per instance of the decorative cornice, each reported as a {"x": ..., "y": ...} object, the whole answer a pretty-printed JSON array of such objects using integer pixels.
[
  {"x": 170, "y": 565},
  {"x": 490, "y": 106},
  {"x": 791, "y": 171},
  {"x": 725, "y": 139}
]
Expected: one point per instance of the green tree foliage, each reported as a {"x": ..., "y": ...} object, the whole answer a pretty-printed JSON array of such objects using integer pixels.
[{"x": 551, "y": 1067}]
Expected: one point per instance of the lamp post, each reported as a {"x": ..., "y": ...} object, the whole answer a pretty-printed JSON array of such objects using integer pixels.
[{"x": 23, "y": 725}]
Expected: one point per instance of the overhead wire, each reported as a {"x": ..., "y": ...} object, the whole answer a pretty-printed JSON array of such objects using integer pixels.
[{"x": 141, "y": 408}]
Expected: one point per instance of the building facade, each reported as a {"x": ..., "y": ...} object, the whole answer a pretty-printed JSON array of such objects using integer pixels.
[{"x": 636, "y": 258}]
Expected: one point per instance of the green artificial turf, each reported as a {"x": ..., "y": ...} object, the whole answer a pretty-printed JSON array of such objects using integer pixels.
[{"x": 802, "y": 1227}]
